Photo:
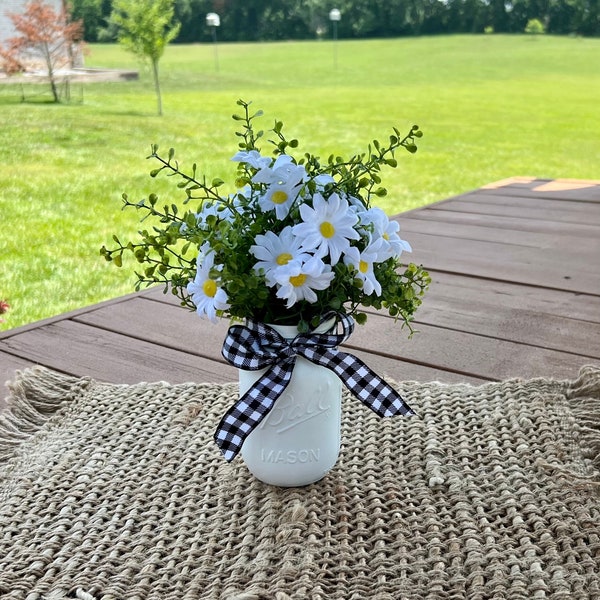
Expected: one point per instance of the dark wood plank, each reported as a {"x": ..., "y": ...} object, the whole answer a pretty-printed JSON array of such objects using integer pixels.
[
  {"x": 512, "y": 313},
  {"x": 531, "y": 266},
  {"x": 450, "y": 219},
  {"x": 183, "y": 330},
  {"x": 78, "y": 349},
  {"x": 512, "y": 296},
  {"x": 405, "y": 370},
  {"x": 164, "y": 324},
  {"x": 485, "y": 231},
  {"x": 61, "y": 317},
  {"x": 559, "y": 205},
  {"x": 466, "y": 353},
  {"x": 549, "y": 189},
  {"x": 9, "y": 365},
  {"x": 480, "y": 204}
]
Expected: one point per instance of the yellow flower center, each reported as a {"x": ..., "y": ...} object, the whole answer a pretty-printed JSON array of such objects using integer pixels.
[
  {"x": 363, "y": 267},
  {"x": 298, "y": 280},
  {"x": 283, "y": 259},
  {"x": 279, "y": 197},
  {"x": 386, "y": 237},
  {"x": 209, "y": 287},
  {"x": 327, "y": 229}
]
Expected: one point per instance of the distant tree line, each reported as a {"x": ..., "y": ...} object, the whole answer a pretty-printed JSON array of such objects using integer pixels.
[{"x": 261, "y": 20}]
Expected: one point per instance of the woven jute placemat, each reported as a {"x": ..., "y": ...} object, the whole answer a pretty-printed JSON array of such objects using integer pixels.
[{"x": 119, "y": 492}]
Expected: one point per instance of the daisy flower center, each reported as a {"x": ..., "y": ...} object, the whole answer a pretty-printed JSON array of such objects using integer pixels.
[
  {"x": 209, "y": 287},
  {"x": 283, "y": 259},
  {"x": 363, "y": 266},
  {"x": 279, "y": 197},
  {"x": 298, "y": 280},
  {"x": 327, "y": 229}
]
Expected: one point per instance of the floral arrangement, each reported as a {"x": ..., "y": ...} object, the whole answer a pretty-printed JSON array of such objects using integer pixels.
[{"x": 298, "y": 239}]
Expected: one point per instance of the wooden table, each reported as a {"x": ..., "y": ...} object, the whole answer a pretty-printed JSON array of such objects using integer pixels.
[{"x": 516, "y": 292}]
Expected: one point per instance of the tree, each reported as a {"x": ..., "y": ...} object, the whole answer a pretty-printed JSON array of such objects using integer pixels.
[
  {"x": 145, "y": 27},
  {"x": 44, "y": 34},
  {"x": 257, "y": 20},
  {"x": 92, "y": 15},
  {"x": 534, "y": 27}
]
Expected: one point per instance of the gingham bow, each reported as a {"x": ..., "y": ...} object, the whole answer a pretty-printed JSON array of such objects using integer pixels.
[{"x": 258, "y": 346}]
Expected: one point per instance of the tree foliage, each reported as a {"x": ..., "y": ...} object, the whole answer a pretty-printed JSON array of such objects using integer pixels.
[
  {"x": 534, "y": 27},
  {"x": 258, "y": 20},
  {"x": 45, "y": 36},
  {"x": 145, "y": 27}
]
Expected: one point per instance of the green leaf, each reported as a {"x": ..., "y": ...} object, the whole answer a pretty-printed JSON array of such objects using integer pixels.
[{"x": 140, "y": 254}]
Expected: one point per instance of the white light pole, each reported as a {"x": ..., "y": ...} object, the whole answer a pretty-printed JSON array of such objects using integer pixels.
[
  {"x": 334, "y": 16},
  {"x": 213, "y": 21}
]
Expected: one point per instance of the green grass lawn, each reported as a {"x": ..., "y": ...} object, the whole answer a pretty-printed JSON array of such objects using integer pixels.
[{"x": 490, "y": 107}]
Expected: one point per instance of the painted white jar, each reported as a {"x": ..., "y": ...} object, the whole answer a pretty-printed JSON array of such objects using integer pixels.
[{"x": 298, "y": 442}]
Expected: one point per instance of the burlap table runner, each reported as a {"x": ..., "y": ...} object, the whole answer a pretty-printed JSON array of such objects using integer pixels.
[{"x": 119, "y": 492}]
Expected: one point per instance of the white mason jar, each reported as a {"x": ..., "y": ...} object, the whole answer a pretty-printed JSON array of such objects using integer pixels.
[{"x": 298, "y": 442}]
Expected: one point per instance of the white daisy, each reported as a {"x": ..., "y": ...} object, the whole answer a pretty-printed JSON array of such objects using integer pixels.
[
  {"x": 386, "y": 230},
  {"x": 280, "y": 197},
  {"x": 298, "y": 281},
  {"x": 363, "y": 264},
  {"x": 252, "y": 158},
  {"x": 274, "y": 252},
  {"x": 206, "y": 294},
  {"x": 322, "y": 180},
  {"x": 283, "y": 181},
  {"x": 327, "y": 227},
  {"x": 283, "y": 170}
]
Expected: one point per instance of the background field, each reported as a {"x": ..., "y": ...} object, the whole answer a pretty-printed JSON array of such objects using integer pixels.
[{"x": 490, "y": 107}]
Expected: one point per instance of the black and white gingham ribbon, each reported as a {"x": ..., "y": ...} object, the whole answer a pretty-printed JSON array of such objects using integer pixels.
[{"x": 258, "y": 346}]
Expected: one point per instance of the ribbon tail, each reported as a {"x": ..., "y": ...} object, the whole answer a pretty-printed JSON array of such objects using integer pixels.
[
  {"x": 248, "y": 412},
  {"x": 363, "y": 382}
]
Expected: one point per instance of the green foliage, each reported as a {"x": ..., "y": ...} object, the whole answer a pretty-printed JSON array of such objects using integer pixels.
[
  {"x": 178, "y": 239},
  {"x": 534, "y": 27},
  {"x": 91, "y": 13},
  {"x": 253, "y": 20},
  {"x": 145, "y": 27}
]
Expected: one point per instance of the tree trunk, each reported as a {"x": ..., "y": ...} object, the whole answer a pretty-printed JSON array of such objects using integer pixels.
[
  {"x": 50, "y": 68},
  {"x": 157, "y": 86}
]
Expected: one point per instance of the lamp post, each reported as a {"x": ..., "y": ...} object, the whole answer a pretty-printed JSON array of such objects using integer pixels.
[
  {"x": 213, "y": 21},
  {"x": 334, "y": 16}
]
